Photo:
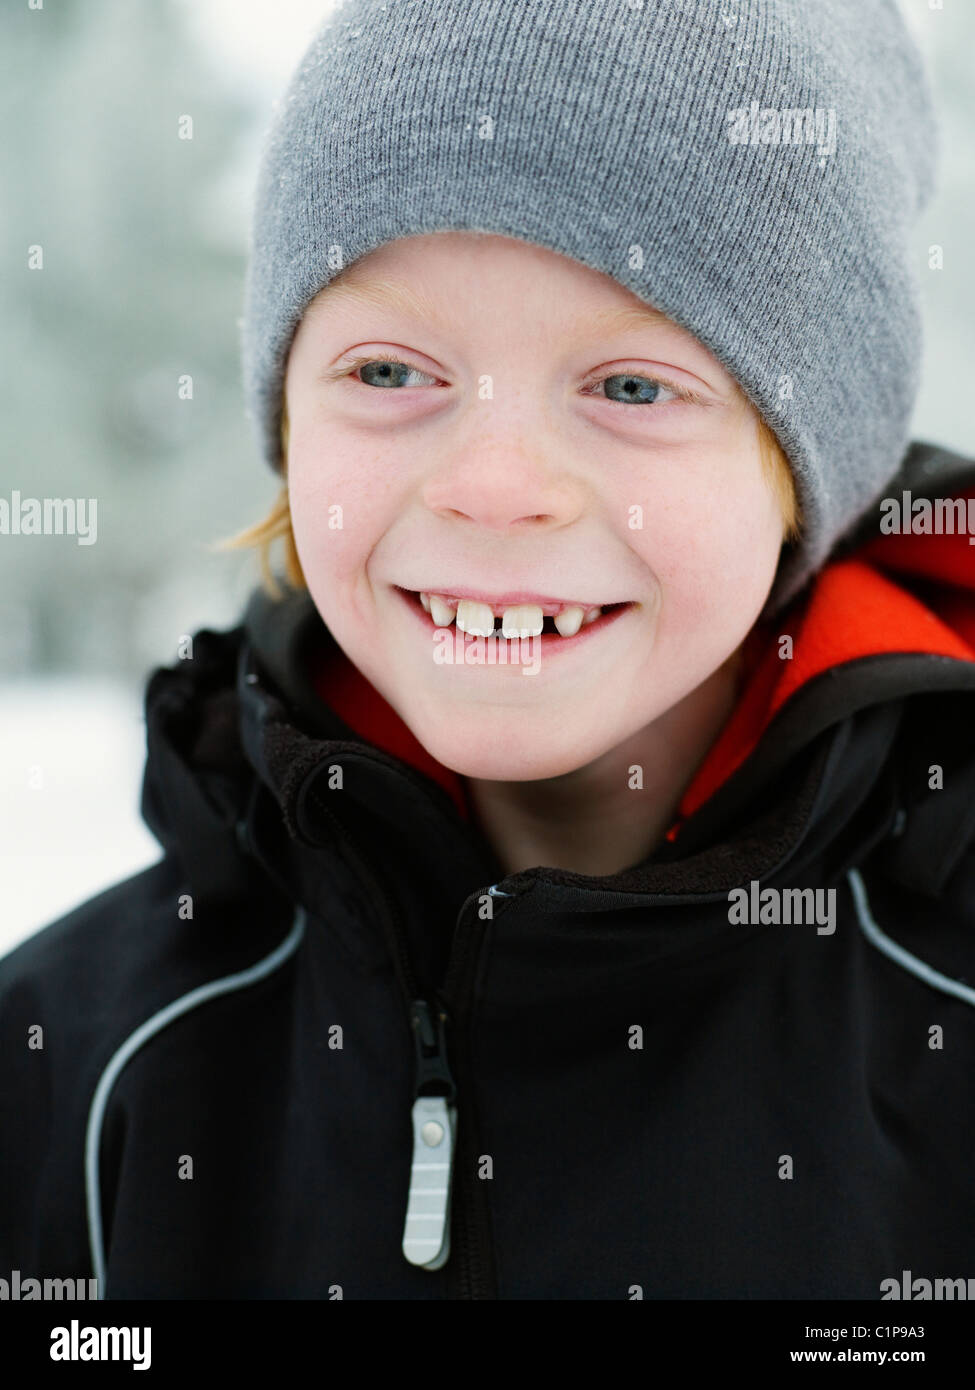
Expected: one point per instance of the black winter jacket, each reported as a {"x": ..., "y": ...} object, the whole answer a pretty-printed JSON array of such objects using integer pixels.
[{"x": 326, "y": 1006}]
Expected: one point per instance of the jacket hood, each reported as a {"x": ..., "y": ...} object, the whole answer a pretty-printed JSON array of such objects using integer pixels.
[{"x": 886, "y": 627}]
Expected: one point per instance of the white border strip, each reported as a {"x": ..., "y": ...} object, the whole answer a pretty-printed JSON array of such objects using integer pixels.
[
  {"x": 133, "y": 1042},
  {"x": 890, "y": 948}
]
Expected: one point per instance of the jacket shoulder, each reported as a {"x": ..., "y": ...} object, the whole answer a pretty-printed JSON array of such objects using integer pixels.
[
  {"x": 72, "y": 992},
  {"x": 71, "y": 996},
  {"x": 68, "y": 996},
  {"x": 102, "y": 968}
]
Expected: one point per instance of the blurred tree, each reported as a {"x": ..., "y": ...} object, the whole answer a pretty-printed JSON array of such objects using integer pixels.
[{"x": 120, "y": 139}]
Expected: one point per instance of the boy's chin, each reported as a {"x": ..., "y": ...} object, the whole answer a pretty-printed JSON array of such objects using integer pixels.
[{"x": 515, "y": 759}]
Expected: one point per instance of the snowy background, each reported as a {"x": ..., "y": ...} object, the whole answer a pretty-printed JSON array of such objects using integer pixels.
[{"x": 144, "y": 240}]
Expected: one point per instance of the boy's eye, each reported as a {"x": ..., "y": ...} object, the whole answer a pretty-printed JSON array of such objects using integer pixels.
[
  {"x": 387, "y": 371},
  {"x": 629, "y": 388}
]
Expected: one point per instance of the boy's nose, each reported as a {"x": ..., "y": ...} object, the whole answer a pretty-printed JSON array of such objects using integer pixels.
[{"x": 505, "y": 486}]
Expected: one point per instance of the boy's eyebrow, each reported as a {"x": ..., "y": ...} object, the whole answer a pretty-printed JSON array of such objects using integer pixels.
[
  {"x": 634, "y": 316},
  {"x": 385, "y": 294}
]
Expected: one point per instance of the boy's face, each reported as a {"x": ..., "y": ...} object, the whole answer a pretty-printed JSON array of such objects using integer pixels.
[{"x": 494, "y": 466}]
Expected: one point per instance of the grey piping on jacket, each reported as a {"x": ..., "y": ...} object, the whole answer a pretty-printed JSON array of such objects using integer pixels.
[
  {"x": 896, "y": 953},
  {"x": 159, "y": 1020}
]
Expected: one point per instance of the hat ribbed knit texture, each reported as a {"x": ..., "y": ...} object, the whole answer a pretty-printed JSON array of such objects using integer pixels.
[{"x": 754, "y": 169}]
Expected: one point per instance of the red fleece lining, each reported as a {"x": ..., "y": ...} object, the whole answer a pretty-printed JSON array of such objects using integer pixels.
[{"x": 852, "y": 611}]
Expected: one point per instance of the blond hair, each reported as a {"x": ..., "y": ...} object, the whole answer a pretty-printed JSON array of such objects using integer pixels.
[{"x": 277, "y": 524}]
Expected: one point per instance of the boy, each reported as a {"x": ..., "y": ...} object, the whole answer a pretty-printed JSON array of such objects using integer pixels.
[{"x": 569, "y": 892}]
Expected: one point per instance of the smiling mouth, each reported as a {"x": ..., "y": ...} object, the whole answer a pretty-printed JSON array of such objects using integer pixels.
[{"x": 480, "y": 618}]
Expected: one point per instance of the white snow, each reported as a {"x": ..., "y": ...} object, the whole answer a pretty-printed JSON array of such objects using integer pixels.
[{"x": 72, "y": 753}]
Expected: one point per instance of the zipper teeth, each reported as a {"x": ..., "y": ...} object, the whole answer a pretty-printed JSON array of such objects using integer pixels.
[
  {"x": 395, "y": 938},
  {"x": 472, "y": 1278},
  {"x": 466, "y": 1262},
  {"x": 454, "y": 999}
]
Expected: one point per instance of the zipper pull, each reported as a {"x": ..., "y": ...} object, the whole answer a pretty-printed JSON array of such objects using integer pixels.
[{"x": 426, "y": 1234}]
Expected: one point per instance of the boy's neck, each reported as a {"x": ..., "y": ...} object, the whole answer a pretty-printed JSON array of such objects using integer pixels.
[{"x": 591, "y": 821}]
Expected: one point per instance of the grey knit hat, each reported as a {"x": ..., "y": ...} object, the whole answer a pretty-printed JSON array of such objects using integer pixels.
[{"x": 753, "y": 169}]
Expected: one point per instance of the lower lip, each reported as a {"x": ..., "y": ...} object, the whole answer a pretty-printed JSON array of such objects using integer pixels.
[{"x": 551, "y": 642}]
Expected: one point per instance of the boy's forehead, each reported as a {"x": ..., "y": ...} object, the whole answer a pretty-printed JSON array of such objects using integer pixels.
[
  {"x": 407, "y": 276},
  {"x": 386, "y": 292}
]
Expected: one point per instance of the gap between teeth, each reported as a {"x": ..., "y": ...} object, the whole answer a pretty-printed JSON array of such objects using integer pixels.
[{"x": 520, "y": 620}]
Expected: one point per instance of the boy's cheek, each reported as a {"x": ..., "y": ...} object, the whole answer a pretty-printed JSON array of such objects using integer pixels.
[
  {"x": 704, "y": 572},
  {"x": 338, "y": 515}
]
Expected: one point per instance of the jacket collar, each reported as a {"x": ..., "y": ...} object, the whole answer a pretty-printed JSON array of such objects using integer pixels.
[{"x": 829, "y": 778}]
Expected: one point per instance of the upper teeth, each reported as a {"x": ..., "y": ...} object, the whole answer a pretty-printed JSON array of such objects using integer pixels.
[{"x": 518, "y": 620}]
